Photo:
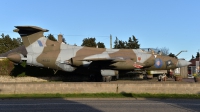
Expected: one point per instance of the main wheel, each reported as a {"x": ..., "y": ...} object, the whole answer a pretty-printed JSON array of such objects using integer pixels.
[
  {"x": 108, "y": 78},
  {"x": 103, "y": 78}
]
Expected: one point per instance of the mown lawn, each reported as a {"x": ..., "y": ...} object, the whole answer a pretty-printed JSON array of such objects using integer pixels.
[{"x": 102, "y": 95}]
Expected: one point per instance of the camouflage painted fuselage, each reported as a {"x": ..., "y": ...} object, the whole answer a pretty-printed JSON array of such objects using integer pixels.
[
  {"x": 56, "y": 55},
  {"x": 60, "y": 56}
]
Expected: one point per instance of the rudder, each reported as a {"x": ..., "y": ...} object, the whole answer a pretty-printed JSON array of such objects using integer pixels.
[{"x": 29, "y": 34}]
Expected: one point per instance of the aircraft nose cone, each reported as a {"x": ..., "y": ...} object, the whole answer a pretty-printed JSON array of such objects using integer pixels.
[{"x": 182, "y": 63}]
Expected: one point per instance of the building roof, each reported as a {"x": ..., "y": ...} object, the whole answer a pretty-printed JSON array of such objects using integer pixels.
[{"x": 193, "y": 61}]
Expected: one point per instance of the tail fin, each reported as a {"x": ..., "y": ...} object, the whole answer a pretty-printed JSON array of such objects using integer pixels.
[{"x": 31, "y": 37}]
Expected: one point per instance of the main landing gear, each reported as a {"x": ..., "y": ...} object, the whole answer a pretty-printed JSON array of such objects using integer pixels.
[{"x": 106, "y": 78}]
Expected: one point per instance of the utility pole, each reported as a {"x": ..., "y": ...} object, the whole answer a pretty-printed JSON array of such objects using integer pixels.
[
  {"x": 110, "y": 41},
  {"x": 199, "y": 61}
]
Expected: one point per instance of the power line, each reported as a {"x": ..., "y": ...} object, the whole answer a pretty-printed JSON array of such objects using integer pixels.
[
  {"x": 82, "y": 35},
  {"x": 7, "y": 31},
  {"x": 86, "y": 35}
]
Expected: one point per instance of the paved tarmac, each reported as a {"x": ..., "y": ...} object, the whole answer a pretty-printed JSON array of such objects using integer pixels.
[{"x": 100, "y": 105}]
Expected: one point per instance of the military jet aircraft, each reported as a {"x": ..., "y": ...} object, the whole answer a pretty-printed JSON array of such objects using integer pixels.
[{"x": 43, "y": 52}]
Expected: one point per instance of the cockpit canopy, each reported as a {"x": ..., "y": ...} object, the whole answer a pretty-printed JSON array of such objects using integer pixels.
[{"x": 153, "y": 50}]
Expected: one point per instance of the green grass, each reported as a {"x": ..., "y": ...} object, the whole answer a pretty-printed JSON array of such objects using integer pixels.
[{"x": 102, "y": 95}]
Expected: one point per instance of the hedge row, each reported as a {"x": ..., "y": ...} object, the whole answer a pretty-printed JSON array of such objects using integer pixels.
[{"x": 6, "y": 67}]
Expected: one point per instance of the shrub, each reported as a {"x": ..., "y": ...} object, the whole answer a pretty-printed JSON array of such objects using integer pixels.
[{"x": 6, "y": 67}]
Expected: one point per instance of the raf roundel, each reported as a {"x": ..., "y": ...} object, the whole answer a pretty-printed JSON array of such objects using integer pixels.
[{"x": 158, "y": 63}]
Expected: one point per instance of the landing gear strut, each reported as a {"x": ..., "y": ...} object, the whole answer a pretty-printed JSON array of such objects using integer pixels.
[{"x": 106, "y": 78}]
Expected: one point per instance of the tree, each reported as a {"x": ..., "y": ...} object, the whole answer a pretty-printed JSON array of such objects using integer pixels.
[
  {"x": 89, "y": 42},
  {"x": 197, "y": 56},
  {"x": 51, "y": 37},
  {"x": 116, "y": 43},
  {"x": 192, "y": 57},
  {"x": 122, "y": 44},
  {"x": 119, "y": 44},
  {"x": 7, "y": 44},
  {"x": 100, "y": 45},
  {"x": 63, "y": 40},
  {"x": 172, "y": 55},
  {"x": 164, "y": 50},
  {"x": 132, "y": 43},
  {"x": 17, "y": 41}
]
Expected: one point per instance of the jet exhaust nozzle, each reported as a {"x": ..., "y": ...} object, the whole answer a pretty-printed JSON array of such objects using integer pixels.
[{"x": 15, "y": 57}]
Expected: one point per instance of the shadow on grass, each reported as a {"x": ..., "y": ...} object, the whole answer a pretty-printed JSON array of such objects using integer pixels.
[{"x": 129, "y": 95}]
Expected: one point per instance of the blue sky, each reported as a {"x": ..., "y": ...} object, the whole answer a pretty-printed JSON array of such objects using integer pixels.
[{"x": 174, "y": 24}]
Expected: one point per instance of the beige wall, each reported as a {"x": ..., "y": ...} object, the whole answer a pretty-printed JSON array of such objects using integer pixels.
[
  {"x": 28, "y": 85},
  {"x": 28, "y": 79},
  {"x": 100, "y": 87}
]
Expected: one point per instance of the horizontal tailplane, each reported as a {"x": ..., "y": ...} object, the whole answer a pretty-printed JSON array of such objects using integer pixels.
[{"x": 28, "y": 30}]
